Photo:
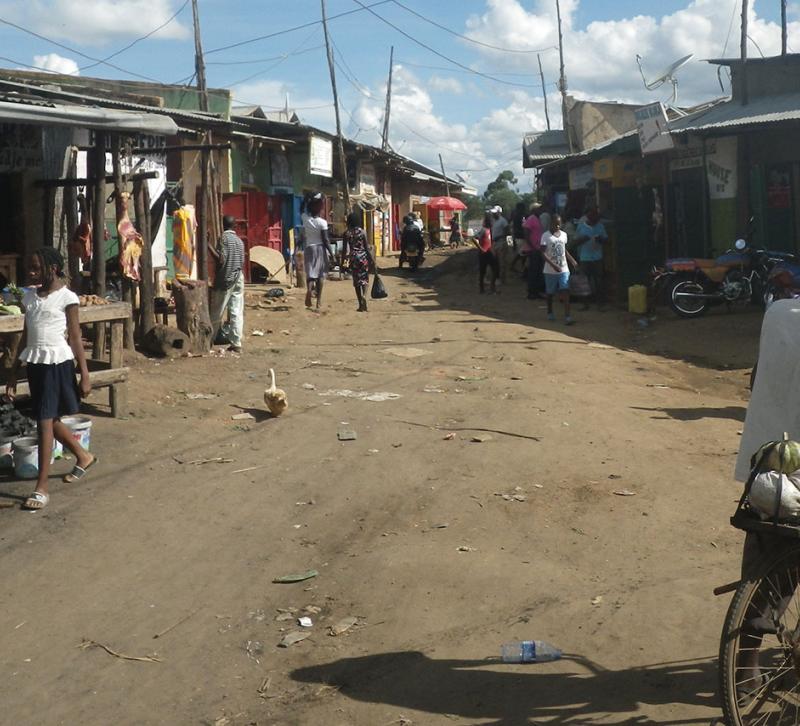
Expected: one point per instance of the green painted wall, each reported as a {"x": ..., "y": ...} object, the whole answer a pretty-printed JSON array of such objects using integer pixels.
[
  {"x": 724, "y": 231},
  {"x": 243, "y": 172}
]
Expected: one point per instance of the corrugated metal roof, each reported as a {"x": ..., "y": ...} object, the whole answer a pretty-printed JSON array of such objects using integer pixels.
[
  {"x": 539, "y": 146},
  {"x": 627, "y": 142},
  {"x": 732, "y": 114}
]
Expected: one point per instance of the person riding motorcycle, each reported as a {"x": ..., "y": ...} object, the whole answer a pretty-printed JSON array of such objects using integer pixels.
[{"x": 412, "y": 243}]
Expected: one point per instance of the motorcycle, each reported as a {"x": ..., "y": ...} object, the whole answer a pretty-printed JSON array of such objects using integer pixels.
[
  {"x": 783, "y": 283},
  {"x": 738, "y": 276}
]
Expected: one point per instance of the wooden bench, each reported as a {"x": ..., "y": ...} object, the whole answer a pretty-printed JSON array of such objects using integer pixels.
[{"x": 109, "y": 373}]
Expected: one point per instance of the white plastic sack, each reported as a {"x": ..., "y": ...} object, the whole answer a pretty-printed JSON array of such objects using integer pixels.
[{"x": 764, "y": 493}]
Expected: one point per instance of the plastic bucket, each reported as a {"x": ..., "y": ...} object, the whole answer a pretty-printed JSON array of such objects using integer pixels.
[
  {"x": 6, "y": 458},
  {"x": 81, "y": 428},
  {"x": 25, "y": 451}
]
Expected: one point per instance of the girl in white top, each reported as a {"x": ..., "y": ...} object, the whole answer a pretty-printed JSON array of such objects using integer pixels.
[
  {"x": 51, "y": 312},
  {"x": 557, "y": 261}
]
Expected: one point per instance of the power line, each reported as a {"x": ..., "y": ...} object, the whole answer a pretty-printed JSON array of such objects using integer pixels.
[
  {"x": 436, "y": 52},
  {"x": 466, "y": 37},
  {"x": 76, "y": 52},
  {"x": 262, "y": 60},
  {"x": 291, "y": 30},
  {"x": 139, "y": 40},
  {"x": 26, "y": 65},
  {"x": 458, "y": 70},
  {"x": 437, "y": 144},
  {"x": 296, "y": 51}
]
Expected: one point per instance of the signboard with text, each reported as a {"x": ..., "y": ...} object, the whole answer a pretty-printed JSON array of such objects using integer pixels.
[
  {"x": 651, "y": 122},
  {"x": 320, "y": 156}
]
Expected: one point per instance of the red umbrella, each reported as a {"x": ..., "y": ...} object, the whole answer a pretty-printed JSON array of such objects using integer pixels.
[{"x": 446, "y": 203}]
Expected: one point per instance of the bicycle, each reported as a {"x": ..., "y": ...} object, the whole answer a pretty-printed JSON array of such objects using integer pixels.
[{"x": 759, "y": 657}]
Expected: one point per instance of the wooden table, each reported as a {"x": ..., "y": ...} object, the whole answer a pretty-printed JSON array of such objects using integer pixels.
[{"x": 109, "y": 373}]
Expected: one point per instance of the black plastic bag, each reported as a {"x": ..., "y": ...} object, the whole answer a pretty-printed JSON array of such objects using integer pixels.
[{"x": 378, "y": 289}]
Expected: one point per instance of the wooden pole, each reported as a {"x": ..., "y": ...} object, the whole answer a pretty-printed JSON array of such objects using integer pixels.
[
  {"x": 743, "y": 46},
  {"x": 141, "y": 196},
  {"x": 444, "y": 176},
  {"x": 388, "y": 111},
  {"x": 71, "y": 221},
  {"x": 784, "y": 28},
  {"x": 98, "y": 236},
  {"x": 119, "y": 205},
  {"x": 544, "y": 91},
  {"x": 205, "y": 154},
  {"x": 342, "y": 160},
  {"x": 562, "y": 81}
]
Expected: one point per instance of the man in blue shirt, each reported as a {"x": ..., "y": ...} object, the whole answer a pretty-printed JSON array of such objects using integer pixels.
[{"x": 591, "y": 238}]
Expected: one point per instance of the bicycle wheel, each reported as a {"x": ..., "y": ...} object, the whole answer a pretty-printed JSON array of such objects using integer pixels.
[{"x": 759, "y": 660}]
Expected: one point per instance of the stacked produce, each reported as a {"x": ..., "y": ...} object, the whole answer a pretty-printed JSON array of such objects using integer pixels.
[
  {"x": 88, "y": 300},
  {"x": 776, "y": 488},
  {"x": 14, "y": 424}
]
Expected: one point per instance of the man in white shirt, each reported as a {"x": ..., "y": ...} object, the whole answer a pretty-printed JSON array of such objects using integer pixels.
[
  {"x": 500, "y": 230},
  {"x": 557, "y": 261}
]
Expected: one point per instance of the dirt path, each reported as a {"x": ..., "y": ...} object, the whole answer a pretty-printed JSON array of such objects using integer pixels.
[{"x": 408, "y": 530}]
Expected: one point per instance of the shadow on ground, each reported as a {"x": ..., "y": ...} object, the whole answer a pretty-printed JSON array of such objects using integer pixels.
[
  {"x": 720, "y": 340},
  {"x": 510, "y": 695},
  {"x": 734, "y": 413}
]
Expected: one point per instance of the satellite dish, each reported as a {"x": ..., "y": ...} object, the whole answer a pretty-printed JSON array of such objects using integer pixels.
[{"x": 667, "y": 75}]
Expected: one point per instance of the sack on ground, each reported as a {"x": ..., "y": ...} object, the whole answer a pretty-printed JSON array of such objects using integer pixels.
[
  {"x": 378, "y": 289},
  {"x": 579, "y": 285},
  {"x": 771, "y": 486}
]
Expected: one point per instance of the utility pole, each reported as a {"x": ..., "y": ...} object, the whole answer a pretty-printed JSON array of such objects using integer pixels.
[
  {"x": 205, "y": 154},
  {"x": 562, "y": 81},
  {"x": 342, "y": 160},
  {"x": 743, "y": 47},
  {"x": 444, "y": 176},
  {"x": 387, "y": 113},
  {"x": 544, "y": 91},
  {"x": 783, "y": 28}
]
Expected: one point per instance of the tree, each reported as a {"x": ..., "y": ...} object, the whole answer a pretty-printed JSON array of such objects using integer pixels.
[{"x": 502, "y": 192}]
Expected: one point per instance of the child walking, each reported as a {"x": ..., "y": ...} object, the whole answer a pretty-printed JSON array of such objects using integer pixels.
[
  {"x": 51, "y": 311},
  {"x": 557, "y": 261}
]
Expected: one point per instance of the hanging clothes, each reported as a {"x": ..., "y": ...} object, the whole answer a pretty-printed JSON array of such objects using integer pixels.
[
  {"x": 184, "y": 228},
  {"x": 81, "y": 243},
  {"x": 130, "y": 241}
]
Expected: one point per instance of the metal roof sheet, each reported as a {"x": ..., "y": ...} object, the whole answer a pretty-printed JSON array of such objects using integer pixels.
[
  {"x": 732, "y": 114},
  {"x": 538, "y": 146}
]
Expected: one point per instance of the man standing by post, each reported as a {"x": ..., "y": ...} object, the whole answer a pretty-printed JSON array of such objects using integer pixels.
[
  {"x": 591, "y": 237},
  {"x": 500, "y": 231},
  {"x": 227, "y": 295}
]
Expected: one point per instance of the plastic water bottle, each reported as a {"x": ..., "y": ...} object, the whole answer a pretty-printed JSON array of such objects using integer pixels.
[{"x": 529, "y": 651}]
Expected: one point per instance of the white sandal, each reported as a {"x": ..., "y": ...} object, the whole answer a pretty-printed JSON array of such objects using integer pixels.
[{"x": 36, "y": 501}]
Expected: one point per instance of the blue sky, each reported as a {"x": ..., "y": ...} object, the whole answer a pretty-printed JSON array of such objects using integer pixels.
[{"x": 476, "y": 122}]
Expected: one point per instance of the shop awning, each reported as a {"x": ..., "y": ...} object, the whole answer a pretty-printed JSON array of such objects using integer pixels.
[
  {"x": 761, "y": 110},
  {"x": 86, "y": 117}
]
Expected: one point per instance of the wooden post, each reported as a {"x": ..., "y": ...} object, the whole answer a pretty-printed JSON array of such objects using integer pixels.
[
  {"x": 119, "y": 205},
  {"x": 562, "y": 81},
  {"x": 202, "y": 219},
  {"x": 71, "y": 222},
  {"x": 743, "y": 50},
  {"x": 387, "y": 113},
  {"x": 544, "y": 92},
  {"x": 148, "y": 317},
  {"x": 192, "y": 313},
  {"x": 119, "y": 391},
  {"x": 444, "y": 177},
  {"x": 340, "y": 142},
  {"x": 784, "y": 28},
  {"x": 98, "y": 237}
]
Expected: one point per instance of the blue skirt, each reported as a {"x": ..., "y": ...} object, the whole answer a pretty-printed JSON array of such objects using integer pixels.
[{"x": 54, "y": 390}]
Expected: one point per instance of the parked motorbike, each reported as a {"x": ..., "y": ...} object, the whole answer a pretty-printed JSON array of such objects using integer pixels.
[
  {"x": 412, "y": 255},
  {"x": 783, "y": 282},
  {"x": 738, "y": 276}
]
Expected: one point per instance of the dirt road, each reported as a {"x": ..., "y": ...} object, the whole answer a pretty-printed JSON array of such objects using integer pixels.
[{"x": 441, "y": 547}]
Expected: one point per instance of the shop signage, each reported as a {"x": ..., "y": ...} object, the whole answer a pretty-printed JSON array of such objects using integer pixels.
[
  {"x": 581, "y": 177},
  {"x": 651, "y": 123},
  {"x": 20, "y": 147},
  {"x": 721, "y": 168},
  {"x": 320, "y": 156}
]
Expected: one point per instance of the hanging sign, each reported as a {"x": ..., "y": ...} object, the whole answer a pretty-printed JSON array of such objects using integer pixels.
[
  {"x": 651, "y": 122},
  {"x": 320, "y": 156},
  {"x": 581, "y": 177},
  {"x": 721, "y": 158}
]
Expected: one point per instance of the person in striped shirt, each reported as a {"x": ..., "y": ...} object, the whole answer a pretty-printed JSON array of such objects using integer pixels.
[{"x": 227, "y": 295}]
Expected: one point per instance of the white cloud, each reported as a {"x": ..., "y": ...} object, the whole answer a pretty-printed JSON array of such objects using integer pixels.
[
  {"x": 445, "y": 85},
  {"x": 95, "y": 22},
  {"x": 56, "y": 63}
]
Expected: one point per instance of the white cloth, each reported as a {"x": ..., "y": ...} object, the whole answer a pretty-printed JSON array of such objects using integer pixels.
[
  {"x": 46, "y": 326},
  {"x": 313, "y": 227},
  {"x": 554, "y": 246},
  {"x": 775, "y": 401},
  {"x": 419, "y": 224},
  {"x": 231, "y": 300}
]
